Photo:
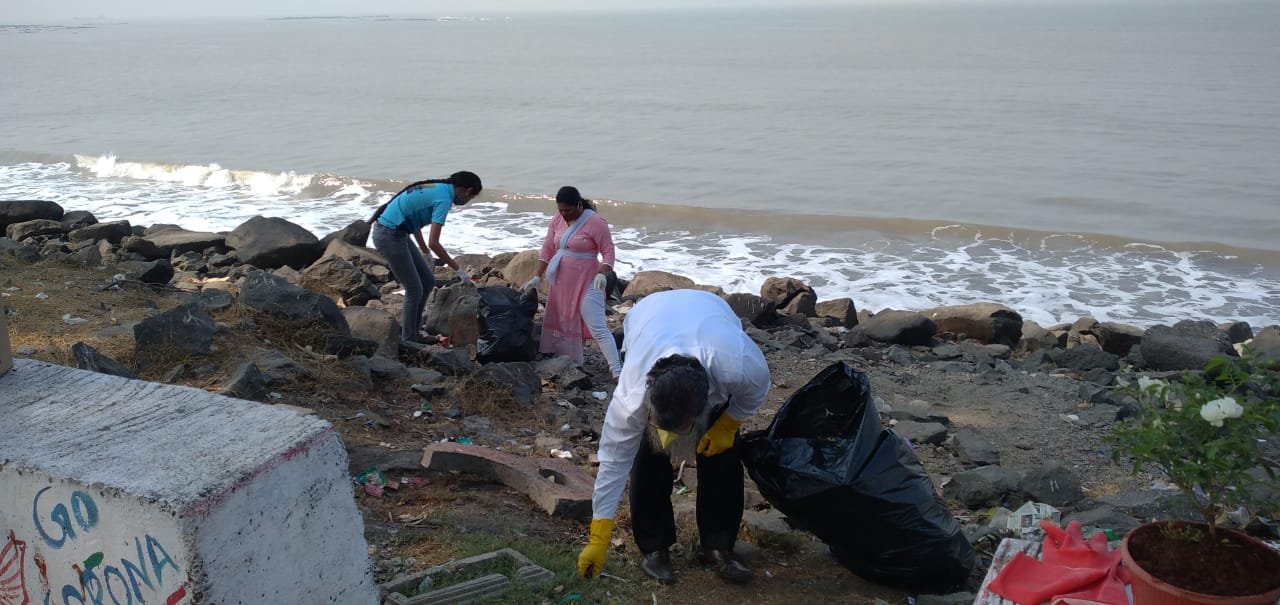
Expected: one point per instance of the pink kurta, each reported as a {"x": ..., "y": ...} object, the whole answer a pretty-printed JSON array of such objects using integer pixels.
[{"x": 562, "y": 326}]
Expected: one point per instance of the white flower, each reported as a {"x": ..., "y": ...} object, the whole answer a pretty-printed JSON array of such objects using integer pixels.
[
  {"x": 1214, "y": 412},
  {"x": 1145, "y": 383}
]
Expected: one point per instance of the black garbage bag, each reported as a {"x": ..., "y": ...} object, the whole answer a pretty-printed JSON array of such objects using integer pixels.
[
  {"x": 828, "y": 465},
  {"x": 506, "y": 324}
]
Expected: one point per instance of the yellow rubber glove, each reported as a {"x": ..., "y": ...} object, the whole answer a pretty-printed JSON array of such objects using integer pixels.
[
  {"x": 720, "y": 436},
  {"x": 591, "y": 559}
]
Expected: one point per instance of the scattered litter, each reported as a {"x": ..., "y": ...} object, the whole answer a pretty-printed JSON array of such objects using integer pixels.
[
  {"x": 573, "y": 596},
  {"x": 605, "y": 574},
  {"x": 373, "y": 490},
  {"x": 565, "y": 404},
  {"x": 72, "y": 320},
  {"x": 682, "y": 491},
  {"x": 601, "y": 395},
  {"x": 41, "y": 296},
  {"x": 561, "y": 454},
  {"x": 275, "y": 395},
  {"x": 417, "y": 413},
  {"x": 768, "y": 573},
  {"x": 464, "y": 440},
  {"x": 1026, "y": 520},
  {"x": 1071, "y": 418},
  {"x": 565, "y": 427},
  {"x": 373, "y": 481}
]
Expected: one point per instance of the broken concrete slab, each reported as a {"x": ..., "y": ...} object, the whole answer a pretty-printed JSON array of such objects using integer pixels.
[
  {"x": 557, "y": 485},
  {"x": 416, "y": 589}
]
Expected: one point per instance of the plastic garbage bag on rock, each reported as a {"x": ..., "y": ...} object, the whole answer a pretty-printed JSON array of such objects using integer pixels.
[
  {"x": 829, "y": 466},
  {"x": 506, "y": 325}
]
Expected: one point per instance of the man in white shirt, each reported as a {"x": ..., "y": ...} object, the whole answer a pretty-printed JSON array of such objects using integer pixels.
[{"x": 690, "y": 377}]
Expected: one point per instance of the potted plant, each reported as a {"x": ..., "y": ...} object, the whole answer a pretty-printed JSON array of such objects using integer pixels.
[{"x": 1207, "y": 432}]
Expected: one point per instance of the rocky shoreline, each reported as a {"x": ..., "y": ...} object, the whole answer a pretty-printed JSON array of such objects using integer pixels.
[{"x": 1000, "y": 409}]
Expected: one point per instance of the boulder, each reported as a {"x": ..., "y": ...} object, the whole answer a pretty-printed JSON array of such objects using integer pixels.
[
  {"x": 755, "y": 309},
  {"x": 522, "y": 267},
  {"x": 840, "y": 309},
  {"x": 21, "y": 211},
  {"x": 275, "y": 296},
  {"x": 76, "y": 219},
  {"x": 781, "y": 290},
  {"x": 18, "y": 250},
  {"x": 1187, "y": 345},
  {"x": 246, "y": 382},
  {"x": 516, "y": 381},
  {"x": 36, "y": 228},
  {"x": 355, "y": 234},
  {"x": 899, "y": 327},
  {"x": 88, "y": 358},
  {"x": 364, "y": 258},
  {"x": 450, "y": 362},
  {"x": 647, "y": 282},
  {"x": 1267, "y": 343},
  {"x": 456, "y": 305},
  {"x": 113, "y": 232},
  {"x": 986, "y": 322},
  {"x": 973, "y": 448},
  {"x": 376, "y": 325},
  {"x": 1083, "y": 358},
  {"x": 273, "y": 242},
  {"x": 982, "y": 486},
  {"x": 183, "y": 331},
  {"x": 176, "y": 240},
  {"x": 803, "y": 304},
  {"x": 921, "y": 432},
  {"x": 1117, "y": 338},
  {"x": 341, "y": 279},
  {"x": 147, "y": 272},
  {"x": 1052, "y": 484},
  {"x": 87, "y": 256},
  {"x": 1036, "y": 338},
  {"x": 345, "y": 346},
  {"x": 142, "y": 247},
  {"x": 1237, "y": 331}
]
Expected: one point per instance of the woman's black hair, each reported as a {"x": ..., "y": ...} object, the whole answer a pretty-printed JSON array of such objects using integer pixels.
[
  {"x": 569, "y": 196},
  {"x": 463, "y": 178},
  {"x": 677, "y": 390}
]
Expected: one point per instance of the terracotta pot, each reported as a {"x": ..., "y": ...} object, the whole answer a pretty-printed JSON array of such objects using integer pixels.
[{"x": 1150, "y": 590}]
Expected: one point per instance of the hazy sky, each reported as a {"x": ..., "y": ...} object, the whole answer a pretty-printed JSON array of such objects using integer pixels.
[{"x": 27, "y": 11}]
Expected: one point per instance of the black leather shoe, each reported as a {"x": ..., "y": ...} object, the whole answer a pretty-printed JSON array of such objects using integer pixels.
[
  {"x": 725, "y": 564},
  {"x": 657, "y": 565}
]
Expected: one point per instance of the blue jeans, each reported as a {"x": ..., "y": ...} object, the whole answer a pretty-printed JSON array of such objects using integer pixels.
[{"x": 410, "y": 269}]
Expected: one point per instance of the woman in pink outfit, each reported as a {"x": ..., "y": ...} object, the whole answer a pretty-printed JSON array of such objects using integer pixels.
[{"x": 576, "y": 255}]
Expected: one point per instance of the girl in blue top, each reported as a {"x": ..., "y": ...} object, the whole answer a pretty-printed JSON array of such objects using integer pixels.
[{"x": 416, "y": 206}]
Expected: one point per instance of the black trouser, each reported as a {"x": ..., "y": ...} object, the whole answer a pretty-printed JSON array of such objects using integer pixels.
[{"x": 720, "y": 499}]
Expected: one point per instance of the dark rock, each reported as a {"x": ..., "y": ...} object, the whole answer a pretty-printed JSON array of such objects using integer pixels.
[
  {"x": 143, "y": 247},
  {"x": 1052, "y": 484},
  {"x": 340, "y": 278},
  {"x": 1035, "y": 338},
  {"x": 384, "y": 369},
  {"x": 113, "y": 232},
  {"x": 1116, "y": 338},
  {"x": 1267, "y": 343},
  {"x": 1187, "y": 345},
  {"x": 355, "y": 234},
  {"x": 88, "y": 256},
  {"x": 277, "y": 367},
  {"x": 921, "y": 432},
  {"x": 18, "y": 250},
  {"x": 391, "y": 462},
  {"x": 781, "y": 290},
  {"x": 1083, "y": 358},
  {"x": 982, "y": 486},
  {"x": 213, "y": 300},
  {"x": 88, "y": 358},
  {"x": 450, "y": 362},
  {"x": 76, "y": 219},
  {"x": 21, "y": 211},
  {"x": 176, "y": 240},
  {"x": 900, "y": 356},
  {"x": 840, "y": 309},
  {"x": 985, "y": 322},
  {"x": 947, "y": 351},
  {"x": 183, "y": 331},
  {"x": 376, "y": 325},
  {"x": 856, "y": 338},
  {"x": 35, "y": 228},
  {"x": 246, "y": 382},
  {"x": 1237, "y": 331},
  {"x": 366, "y": 259},
  {"x": 972, "y": 448},
  {"x": 564, "y": 372},
  {"x": 1104, "y": 518},
  {"x": 275, "y": 296},
  {"x": 802, "y": 304},
  {"x": 273, "y": 242},
  {"x": 345, "y": 346},
  {"x": 1099, "y": 376},
  {"x": 759, "y": 311},
  {"x": 899, "y": 327},
  {"x": 517, "y": 380},
  {"x": 147, "y": 272},
  {"x": 1151, "y": 504}
]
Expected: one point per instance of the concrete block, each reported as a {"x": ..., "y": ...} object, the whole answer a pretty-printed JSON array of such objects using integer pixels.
[
  {"x": 557, "y": 485},
  {"x": 410, "y": 590},
  {"x": 124, "y": 491}
]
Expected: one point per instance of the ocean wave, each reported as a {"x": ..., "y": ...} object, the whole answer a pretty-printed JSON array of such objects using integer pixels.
[{"x": 898, "y": 264}]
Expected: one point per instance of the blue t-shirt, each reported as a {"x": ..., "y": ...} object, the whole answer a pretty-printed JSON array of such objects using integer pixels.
[{"x": 417, "y": 208}]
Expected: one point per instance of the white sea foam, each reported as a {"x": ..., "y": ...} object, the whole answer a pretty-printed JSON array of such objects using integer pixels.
[{"x": 1051, "y": 279}]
